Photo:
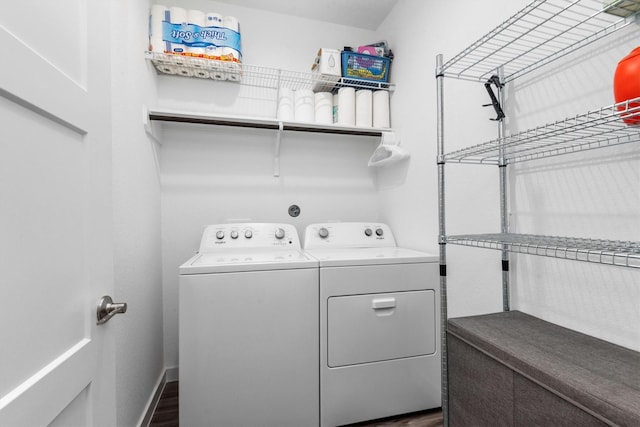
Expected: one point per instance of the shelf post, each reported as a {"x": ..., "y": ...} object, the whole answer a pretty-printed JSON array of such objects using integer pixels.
[
  {"x": 504, "y": 210},
  {"x": 442, "y": 241}
]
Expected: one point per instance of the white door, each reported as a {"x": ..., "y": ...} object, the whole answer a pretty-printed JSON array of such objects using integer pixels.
[{"x": 56, "y": 365}]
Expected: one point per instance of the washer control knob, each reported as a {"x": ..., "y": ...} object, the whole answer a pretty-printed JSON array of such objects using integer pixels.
[
  {"x": 220, "y": 235},
  {"x": 248, "y": 234},
  {"x": 323, "y": 233},
  {"x": 234, "y": 234},
  {"x": 279, "y": 233},
  {"x": 379, "y": 232},
  {"x": 368, "y": 232}
]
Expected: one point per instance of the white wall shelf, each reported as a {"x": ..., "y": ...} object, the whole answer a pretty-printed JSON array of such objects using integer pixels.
[
  {"x": 251, "y": 75},
  {"x": 172, "y": 116},
  {"x": 161, "y": 115},
  {"x": 261, "y": 77}
]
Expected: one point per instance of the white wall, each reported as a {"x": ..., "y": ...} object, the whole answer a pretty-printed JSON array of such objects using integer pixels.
[
  {"x": 417, "y": 32},
  {"x": 593, "y": 194},
  {"x": 589, "y": 195},
  {"x": 136, "y": 216},
  {"x": 215, "y": 174}
]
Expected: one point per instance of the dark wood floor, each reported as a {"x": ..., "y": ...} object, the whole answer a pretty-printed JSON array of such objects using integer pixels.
[{"x": 166, "y": 414}]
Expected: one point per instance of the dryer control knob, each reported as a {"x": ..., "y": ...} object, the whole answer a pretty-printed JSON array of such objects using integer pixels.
[
  {"x": 379, "y": 232},
  {"x": 368, "y": 232},
  {"x": 234, "y": 234},
  {"x": 323, "y": 233},
  {"x": 279, "y": 233},
  {"x": 220, "y": 235},
  {"x": 248, "y": 234}
]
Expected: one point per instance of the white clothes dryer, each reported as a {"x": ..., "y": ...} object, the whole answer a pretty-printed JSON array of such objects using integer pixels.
[
  {"x": 248, "y": 333},
  {"x": 379, "y": 323}
]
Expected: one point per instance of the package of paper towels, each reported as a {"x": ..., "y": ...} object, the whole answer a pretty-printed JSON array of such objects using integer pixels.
[
  {"x": 388, "y": 152},
  {"x": 194, "y": 33}
]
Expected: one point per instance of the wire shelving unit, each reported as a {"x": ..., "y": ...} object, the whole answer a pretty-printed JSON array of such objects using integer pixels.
[{"x": 542, "y": 32}]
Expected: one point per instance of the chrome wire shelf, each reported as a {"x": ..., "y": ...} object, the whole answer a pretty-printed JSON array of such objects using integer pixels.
[
  {"x": 611, "y": 252},
  {"x": 251, "y": 75},
  {"x": 595, "y": 129},
  {"x": 540, "y": 33}
]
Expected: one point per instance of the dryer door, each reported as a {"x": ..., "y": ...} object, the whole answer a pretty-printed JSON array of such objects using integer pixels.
[{"x": 382, "y": 326}]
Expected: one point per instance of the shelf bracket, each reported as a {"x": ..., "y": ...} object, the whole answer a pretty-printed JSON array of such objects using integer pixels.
[
  {"x": 276, "y": 154},
  {"x": 148, "y": 125},
  {"x": 494, "y": 101}
]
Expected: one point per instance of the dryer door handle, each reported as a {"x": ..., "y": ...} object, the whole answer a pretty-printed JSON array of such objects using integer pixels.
[{"x": 380, "y": 303}]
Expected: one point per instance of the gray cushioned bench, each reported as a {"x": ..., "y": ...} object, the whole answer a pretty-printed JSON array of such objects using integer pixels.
[{"x": 514, "y": 369}]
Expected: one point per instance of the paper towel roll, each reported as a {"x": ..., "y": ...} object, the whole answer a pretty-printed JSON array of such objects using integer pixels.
[
  {"x": 324, "y": 107},
  {"x": 381, "y": 117},
  {"x": 347, "y": 106},
  {"x": 230, "y": 55},
  {"x": 218, "y": 75},
  {"x": 213, "y": 19},
  {"x": 196, "y": 17},
  {"x": 213, "y": 52},
  {"x": 304, "y": 105},
  {"x": 186, "y": 72},
  {"x": 364, "y": 110},
  {"x": 286, "y": 102},
  {"x": 231, "y": 23},
  {"x": 336, "y": 101},
  {"x": 157, "y": 15},
  {"x": 203, "y": 74},
  {"x": 234, "y": 76},
  {"x": 168, "y": 69},
  {"x": 177, "y": 15}
]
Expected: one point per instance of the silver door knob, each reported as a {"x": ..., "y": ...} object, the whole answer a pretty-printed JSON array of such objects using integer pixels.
[{"x": 107, "y": 309}]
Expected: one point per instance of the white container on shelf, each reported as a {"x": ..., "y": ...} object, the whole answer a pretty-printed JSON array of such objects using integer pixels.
[
  {"x": 304, "y": 105},
  {"x": 364, "y": 109},
  {"x": 324, "y": 107}
]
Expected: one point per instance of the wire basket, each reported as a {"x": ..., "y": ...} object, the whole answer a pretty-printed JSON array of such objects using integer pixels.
[{"x": 365, "y": 67}]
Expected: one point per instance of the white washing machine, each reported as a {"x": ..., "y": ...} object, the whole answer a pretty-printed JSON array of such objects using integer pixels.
[
  {"x": 379, "y": 323},
  {"x": 248, "y": 334}
]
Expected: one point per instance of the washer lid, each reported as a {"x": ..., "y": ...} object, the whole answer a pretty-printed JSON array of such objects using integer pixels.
[
  {"x": 247, "y": 260},
  {"x": 368, "y": 256}
]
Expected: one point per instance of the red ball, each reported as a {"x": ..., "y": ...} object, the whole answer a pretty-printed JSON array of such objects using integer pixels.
[{"x": 626, "y": 85}]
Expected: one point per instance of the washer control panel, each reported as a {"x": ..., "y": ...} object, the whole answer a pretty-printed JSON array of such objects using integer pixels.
[
  {"x": 248, "y": 235},
  {"x": 348, "y": 235}
]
